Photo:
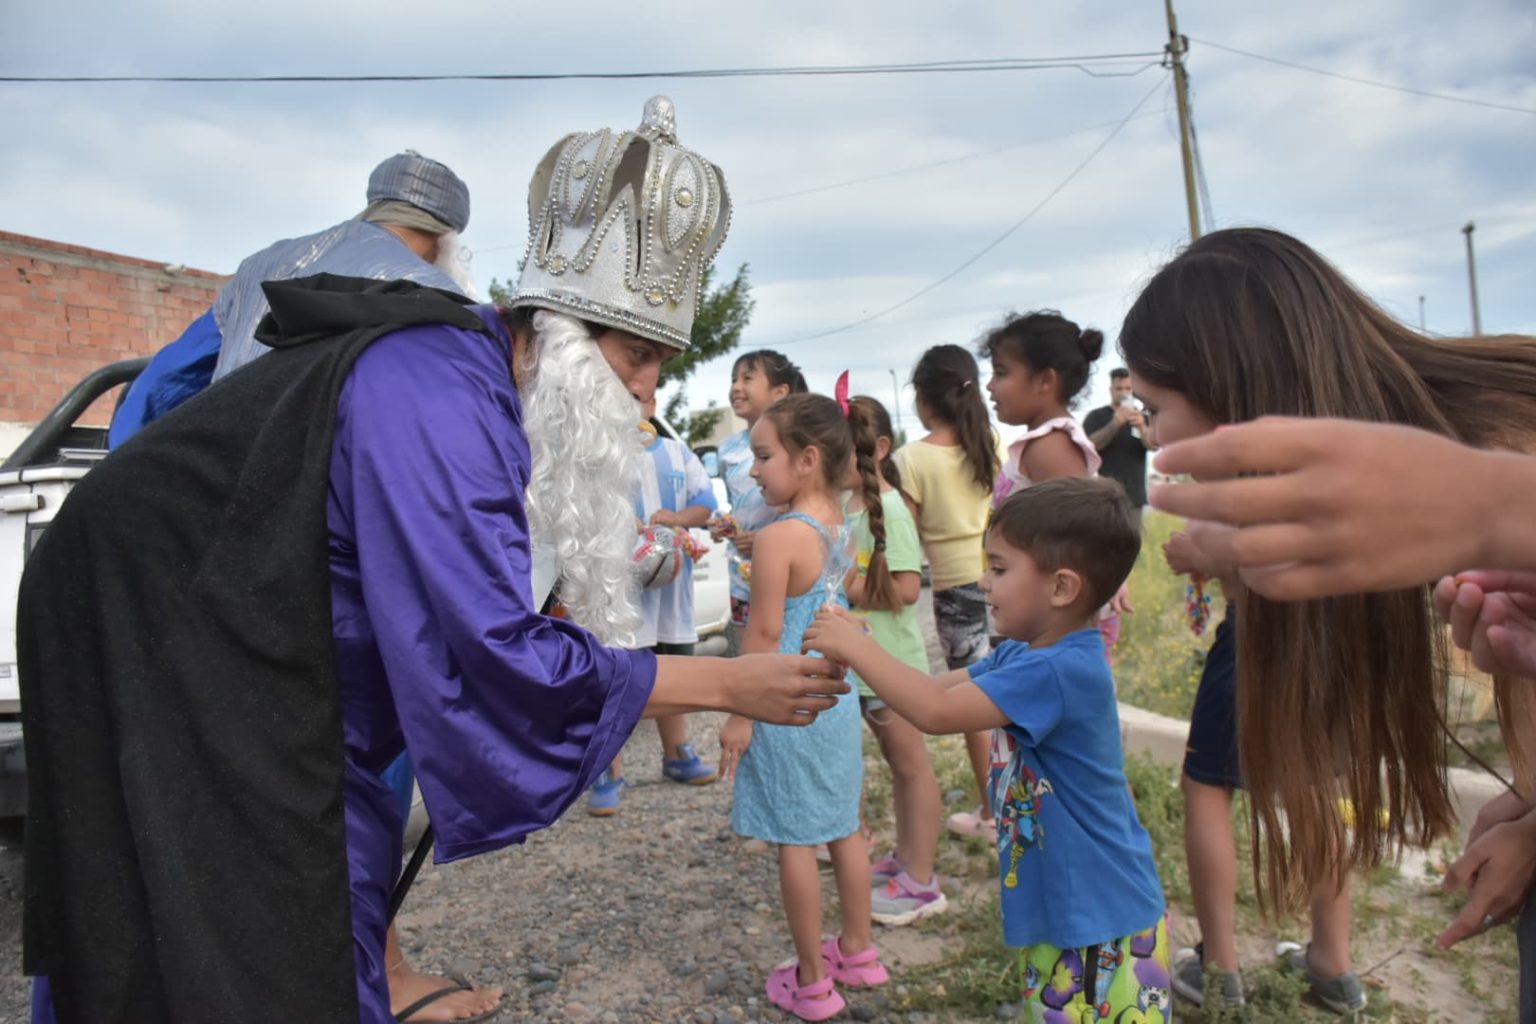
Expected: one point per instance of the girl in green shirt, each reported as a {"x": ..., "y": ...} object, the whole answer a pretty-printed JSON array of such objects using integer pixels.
[{"x": 883, "y": 590}]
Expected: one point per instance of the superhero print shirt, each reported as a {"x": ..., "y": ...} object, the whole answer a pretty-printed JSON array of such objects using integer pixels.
[{"x": 1076, "y": 864}]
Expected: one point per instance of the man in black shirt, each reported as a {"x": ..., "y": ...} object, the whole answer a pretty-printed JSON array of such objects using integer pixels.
[{"x": 1119, "y": 431}]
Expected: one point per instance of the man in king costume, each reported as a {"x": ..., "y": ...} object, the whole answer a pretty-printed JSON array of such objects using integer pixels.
[{"x": 245, "y": 613}]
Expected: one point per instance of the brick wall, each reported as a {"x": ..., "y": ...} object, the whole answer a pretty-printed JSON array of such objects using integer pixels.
[{"x": 67, "y": 310}]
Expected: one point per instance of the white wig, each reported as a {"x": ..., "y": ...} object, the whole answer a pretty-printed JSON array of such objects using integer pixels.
[
  {"x": 453, "y": 260},
  {"x": 580, "y": 423}
]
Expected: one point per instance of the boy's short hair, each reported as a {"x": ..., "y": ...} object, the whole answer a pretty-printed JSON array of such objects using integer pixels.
[
  {"x": 1119, "y": 372},
  {"x": 1084, "y": 524}
]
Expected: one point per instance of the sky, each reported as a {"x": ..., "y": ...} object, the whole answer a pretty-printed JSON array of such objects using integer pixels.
[{"x": 1380, "y": 181}]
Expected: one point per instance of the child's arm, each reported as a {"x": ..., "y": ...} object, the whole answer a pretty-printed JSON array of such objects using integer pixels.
[
  {"x": 765, "y": 625},
  {"x": 948, "y": 704},
  {"x": 1052, "y": 456}
]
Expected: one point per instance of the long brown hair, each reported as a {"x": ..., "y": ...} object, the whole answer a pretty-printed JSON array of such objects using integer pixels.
[
  {"x": 816, "y": 421},
  {"x": 1342, "y": 697},
  {"x": 948, "y": 382}
]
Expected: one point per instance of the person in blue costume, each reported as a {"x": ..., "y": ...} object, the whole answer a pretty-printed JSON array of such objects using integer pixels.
[
  {"x": 347, "y": 560},
  {"x": 416, "y": 210}
]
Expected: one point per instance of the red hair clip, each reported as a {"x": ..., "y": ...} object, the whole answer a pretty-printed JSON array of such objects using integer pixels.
[{"x": 840, "y": 392}]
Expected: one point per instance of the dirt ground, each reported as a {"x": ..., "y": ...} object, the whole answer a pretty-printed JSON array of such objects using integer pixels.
[{"x": 662, "y": 914}]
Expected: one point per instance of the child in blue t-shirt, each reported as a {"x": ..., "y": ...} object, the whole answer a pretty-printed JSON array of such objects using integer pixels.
[{"x": 1080, "y": 893}]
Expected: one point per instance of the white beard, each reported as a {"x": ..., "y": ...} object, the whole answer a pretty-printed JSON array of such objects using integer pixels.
[
  {"x": 580, "y": 424},
  {"x": 453, "y": 260}
]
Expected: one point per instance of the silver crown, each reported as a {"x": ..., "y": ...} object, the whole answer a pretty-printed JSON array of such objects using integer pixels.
[{"x": 621, "y": 227}]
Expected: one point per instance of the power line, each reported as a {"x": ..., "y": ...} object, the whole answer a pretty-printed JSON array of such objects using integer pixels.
[
  {"x": 1367, "y": 81},
  {"x": 914, "y": 168},
  {"x": 996, "y": 241},
  {"x": 1086, "y": 63}
]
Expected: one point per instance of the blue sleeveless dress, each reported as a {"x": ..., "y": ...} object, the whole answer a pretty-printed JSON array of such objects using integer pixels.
[{"x": 801, "y": 785}]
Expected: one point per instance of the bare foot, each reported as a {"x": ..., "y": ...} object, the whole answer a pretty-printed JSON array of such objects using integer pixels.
[{"x": 407, "y": 985}]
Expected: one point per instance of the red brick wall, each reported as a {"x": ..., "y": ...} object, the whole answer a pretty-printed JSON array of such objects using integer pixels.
[{"x": 66, "y": 310}]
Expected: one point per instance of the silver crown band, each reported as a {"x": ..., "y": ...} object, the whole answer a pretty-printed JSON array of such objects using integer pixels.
[{"x": 622, "y": 227}]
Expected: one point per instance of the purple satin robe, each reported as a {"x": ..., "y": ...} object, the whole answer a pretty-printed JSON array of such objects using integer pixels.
[{"x": 509, "y": 716}]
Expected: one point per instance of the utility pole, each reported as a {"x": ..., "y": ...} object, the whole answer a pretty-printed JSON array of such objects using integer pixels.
[
  {"x": 1477, "y": 316},
  {"x": 1421, "y": 313},
  {"x": 896, "y": 394},
  {"x": 1177, "y": 47}
]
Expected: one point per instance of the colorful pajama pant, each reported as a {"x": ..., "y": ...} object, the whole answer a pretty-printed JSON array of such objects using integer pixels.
[{"x": 1126, "y": 981}]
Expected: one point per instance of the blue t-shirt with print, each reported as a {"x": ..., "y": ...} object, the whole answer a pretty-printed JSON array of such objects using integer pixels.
[{"x": 1076, "y": 865}]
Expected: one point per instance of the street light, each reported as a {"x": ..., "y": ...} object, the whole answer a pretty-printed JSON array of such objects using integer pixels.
[{"x": 896, "y": 394}]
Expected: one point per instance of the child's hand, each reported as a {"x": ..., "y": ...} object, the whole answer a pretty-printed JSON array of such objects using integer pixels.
[
  {"x": 661, "y": 517},
  {"x": 1493, "y": 617},
  {"x": 1183, "y": 557},
  {"x": 735, "y": 737},
  {"x": 1120, "y": 604},
  {"x": 835, "y": 634},
  {"x": 743, "y": 541}
]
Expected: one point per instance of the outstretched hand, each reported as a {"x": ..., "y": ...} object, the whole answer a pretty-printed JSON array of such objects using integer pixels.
[
  {"x": 784, "y": 689},
  {"x": 1493, "y": 617},
  {"x": 835, "y": 634},
  {"x": 1338, "y": 506}
]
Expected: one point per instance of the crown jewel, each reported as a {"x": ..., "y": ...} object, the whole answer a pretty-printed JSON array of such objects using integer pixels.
[{"x": 621, "y": 227}]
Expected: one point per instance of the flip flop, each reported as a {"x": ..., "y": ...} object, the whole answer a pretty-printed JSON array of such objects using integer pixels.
[{"x": 459, "y": 985}]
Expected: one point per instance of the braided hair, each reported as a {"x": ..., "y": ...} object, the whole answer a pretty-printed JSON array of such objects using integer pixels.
[{"x": 869, "y": 421}]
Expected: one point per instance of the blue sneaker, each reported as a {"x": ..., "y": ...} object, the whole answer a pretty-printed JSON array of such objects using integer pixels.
[
  {"x": 603, "y": 800},
  {"x": 688, "y": 768}
]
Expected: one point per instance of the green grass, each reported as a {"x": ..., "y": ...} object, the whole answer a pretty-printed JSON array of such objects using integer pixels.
[
  {"x": 1158, "y": 663},
  {"x": 1158, "y": 659}
]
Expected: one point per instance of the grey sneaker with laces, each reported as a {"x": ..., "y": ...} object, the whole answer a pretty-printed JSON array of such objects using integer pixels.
[
  {"x": 1189, "y": 978},
  {"x": 1343, "y": 995}
]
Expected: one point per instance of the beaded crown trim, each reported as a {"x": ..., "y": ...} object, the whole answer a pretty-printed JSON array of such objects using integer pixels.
[{"x": 621, "y": 227}]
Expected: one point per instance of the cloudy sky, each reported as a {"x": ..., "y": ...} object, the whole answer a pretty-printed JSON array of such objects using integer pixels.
[{"x": 1380, "y": 180}]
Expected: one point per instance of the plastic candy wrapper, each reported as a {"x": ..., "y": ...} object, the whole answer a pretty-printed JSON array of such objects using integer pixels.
[
  {"x": 839, "y": 554},
  {"x": 1197, "y": 604},
  {"x": 658, "y": 558},
  {"x": 726, "y": 526},
  {"x": 692, "y": 548}
]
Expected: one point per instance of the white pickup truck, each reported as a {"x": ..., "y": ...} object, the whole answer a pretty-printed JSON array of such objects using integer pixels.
[{"x": 35, "y": 478}]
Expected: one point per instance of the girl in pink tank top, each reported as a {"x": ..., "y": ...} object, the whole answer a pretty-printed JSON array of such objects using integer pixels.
[{"x": 1040, "y": 364}]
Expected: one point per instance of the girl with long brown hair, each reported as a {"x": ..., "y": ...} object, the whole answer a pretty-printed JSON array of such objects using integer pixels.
[
  {"x": 1340, "y": 699},
  {"x": 948, "y": 476}
]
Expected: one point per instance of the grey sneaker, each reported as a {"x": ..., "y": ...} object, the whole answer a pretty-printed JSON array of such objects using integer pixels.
[
  {"x": 1343, "y": 995},
  {"x": 1189, "y": 980},
  {"x": 900, "y": 901}
]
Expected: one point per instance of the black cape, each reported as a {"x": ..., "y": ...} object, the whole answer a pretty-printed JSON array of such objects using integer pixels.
[{"x": 185, "y": 841}]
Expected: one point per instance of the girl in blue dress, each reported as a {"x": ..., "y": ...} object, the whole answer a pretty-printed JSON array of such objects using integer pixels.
[{"x": 800, "y": 787}]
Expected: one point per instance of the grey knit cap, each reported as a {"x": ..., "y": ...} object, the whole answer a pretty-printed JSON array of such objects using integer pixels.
[{"x": 412, "y": 178}]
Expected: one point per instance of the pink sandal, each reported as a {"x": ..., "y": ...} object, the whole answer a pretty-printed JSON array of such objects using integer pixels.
[
  {"x": 862, "y": 970},
  {"x": 817, "y": 1001}
]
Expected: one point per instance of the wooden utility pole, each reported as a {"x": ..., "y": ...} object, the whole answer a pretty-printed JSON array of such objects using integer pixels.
[
  {"x": 1177, "y": 46},
  {"x": 1477, "y": 314}
]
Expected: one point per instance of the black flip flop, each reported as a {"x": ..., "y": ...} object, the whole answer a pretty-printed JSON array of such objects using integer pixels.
[{"x": 459, "y": 985}]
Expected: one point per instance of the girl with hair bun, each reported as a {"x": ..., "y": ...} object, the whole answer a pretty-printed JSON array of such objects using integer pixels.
[{"x": 1040, "y": 364}]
